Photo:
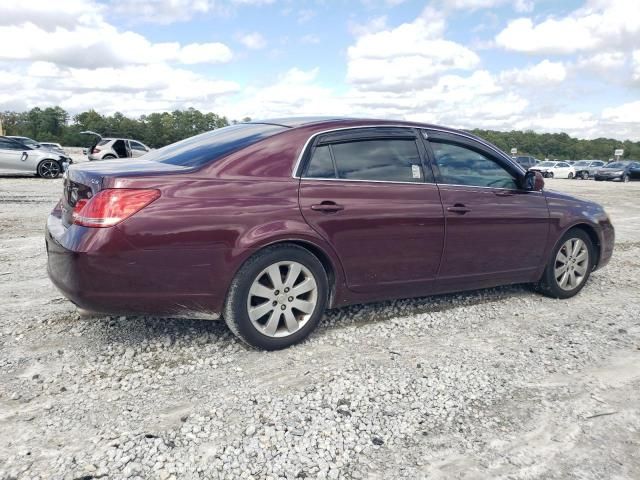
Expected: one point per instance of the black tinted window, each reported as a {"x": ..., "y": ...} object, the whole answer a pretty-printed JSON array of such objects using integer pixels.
[
  {"x": 6, "y": 144},
  {"x": 462, "y": 166},
  {"x": 137, "y": 146},
  {"x": 206, "y": 147},
  {"x": 390, "y": 160},
  {"x": 321, "y": 164}
]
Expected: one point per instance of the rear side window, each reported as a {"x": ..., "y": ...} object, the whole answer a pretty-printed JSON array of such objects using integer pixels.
[
  {"x": 321, "y": 164},
  {"x": 396, "y": 160},
  {"x": 102, "y": 142},
  {"x": 206, "y": 147}
]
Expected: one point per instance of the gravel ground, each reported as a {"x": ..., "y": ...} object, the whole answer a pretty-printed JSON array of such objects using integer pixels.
[{"x": 499, "y": 383}]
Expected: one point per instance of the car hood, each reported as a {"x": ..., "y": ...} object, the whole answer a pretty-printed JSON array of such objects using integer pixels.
[{"x": 562, "y": 199}]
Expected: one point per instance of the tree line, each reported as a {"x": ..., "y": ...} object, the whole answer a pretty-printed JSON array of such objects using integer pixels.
[{"x": 54, "y": 124}]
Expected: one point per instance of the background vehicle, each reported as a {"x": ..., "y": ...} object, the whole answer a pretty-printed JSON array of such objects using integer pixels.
[
  {"x": 526, "y": 162},
  {"x": 111, "y": 148},
  {"x": 16, "y": 156},
  {"x": 56, "y": 147},
  {"x": 587, "y": 168},
  {"x": 270, "y": 222},
  {"x": 617, "y": 171},
  {"x": 554, "y": 169},
  {"x": 634, "y": 172}
]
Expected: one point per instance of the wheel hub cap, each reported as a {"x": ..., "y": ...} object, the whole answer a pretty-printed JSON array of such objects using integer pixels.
[
  {"x": 572, "y": 262},
  {"x": 282, "y": 299}
]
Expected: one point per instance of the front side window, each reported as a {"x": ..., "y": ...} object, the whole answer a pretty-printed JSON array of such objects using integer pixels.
[
  {"x": 137, "y": 146},
  {"x": 6, "y": 144},
  {"x": 459, "y": 165},
  {"x": 563, "y": 165},
  {"x": 396, "y": 160},
  {"x": 597, "y": 164}
]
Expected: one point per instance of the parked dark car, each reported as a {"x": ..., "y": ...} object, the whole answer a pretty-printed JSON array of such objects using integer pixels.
[
  {"x": 587, "y": 168},
  {"x": 269, "y": 223},
  {"x": 616, "y": 171},
  {"x": 525, "y": 161}
]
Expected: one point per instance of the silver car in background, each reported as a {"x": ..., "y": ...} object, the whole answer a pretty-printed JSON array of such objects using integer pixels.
[
  {"x": 587, "y": 168},
  {"x": 109, "y": 148},
  {"x": 19, "y": 157}
]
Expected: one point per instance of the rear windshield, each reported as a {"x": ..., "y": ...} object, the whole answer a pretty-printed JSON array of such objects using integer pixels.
[
  {"x": 616, "y": 165},
  {"x": 582, "y": 163},
  {"x": 546, "y": 164},
  {"x": 206, "y": 147}
]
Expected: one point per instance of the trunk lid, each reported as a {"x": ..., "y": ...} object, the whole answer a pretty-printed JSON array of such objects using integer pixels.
[{"x": 83, "y": 181}]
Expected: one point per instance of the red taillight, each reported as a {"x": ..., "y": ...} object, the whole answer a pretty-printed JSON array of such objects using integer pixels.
[
  {"x": 112, "y": 206},
  {"x": 95, "y": 150}
]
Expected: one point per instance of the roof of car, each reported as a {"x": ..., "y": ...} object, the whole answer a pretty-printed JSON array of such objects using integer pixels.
[{"x": 295, "y": 122}]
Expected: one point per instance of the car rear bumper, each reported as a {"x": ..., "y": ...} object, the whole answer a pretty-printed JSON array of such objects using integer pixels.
[{"x": 99, "y": 271}]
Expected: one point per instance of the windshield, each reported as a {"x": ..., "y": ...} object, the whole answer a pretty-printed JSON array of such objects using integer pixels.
[
  {"x": 546, "y": 164},
  {"x": 615, "y": 165},
  {"x": 209, "y": 146},
  {"x": 582, "y": 163}
]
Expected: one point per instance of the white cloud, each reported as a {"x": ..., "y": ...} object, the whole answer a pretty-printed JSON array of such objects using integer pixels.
[
  {"x": 603, "y": 63},
  {"x": 636, "y": 65},
  {"x": 518, "y": 5},
  {"x": 253, "y": 41},
  {"x": 628, "y": 113},
  {"x": 409, "y": 56},
  {"x": 600, "y": 24},
  {"x": 539, "y": 75},
  {"x": 90, "y": 41}
]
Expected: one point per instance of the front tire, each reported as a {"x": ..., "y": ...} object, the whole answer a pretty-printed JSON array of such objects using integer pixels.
[
  {"x": 625, "y": 178},
  {"x": 277, "y": 298},
  {"x": 569, "y": 267},
  {"x": 49, "y": 169},
  {"x": 585, "y": 175}
]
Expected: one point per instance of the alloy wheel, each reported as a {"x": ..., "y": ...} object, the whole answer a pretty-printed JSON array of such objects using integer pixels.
[
  {"x": 49, "y": 169},
  {"x": 282, "y": 299},
  {"x": 572, "y": 262}
]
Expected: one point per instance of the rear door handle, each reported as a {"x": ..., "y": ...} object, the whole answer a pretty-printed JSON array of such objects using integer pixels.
[
  {"x": 327, "y": 207},
  {"x": 459, "y": 208}
]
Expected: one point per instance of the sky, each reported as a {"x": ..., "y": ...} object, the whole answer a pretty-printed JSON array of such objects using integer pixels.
[{"x": 546, "y": 65}]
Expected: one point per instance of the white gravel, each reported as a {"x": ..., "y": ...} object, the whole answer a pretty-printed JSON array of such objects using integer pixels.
[{"x": 499, "y": 383}]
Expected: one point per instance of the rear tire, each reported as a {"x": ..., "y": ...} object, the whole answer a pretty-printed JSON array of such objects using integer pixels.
[
  {"x": 108, "y": 157},
  {"x": 569, "y": 267},
  {"x": 585, "y": 175},
  {"x": 625, "y": 178},
  {"x": 570, "y": 176},
  {"x": 277, "y": 298}
]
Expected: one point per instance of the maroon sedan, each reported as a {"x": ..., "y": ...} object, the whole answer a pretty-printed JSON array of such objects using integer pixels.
[{"x": 269, "y": 223}]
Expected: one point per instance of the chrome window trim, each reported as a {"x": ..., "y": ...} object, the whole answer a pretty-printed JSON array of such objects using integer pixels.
[
  {"x": 355, "y": 127},
  {"x": 418, "y": 183},
  {"x": 422, "y": 128}
]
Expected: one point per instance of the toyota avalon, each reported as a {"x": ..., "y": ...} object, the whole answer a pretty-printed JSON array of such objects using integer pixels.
[{"x": 269, "y": 223}]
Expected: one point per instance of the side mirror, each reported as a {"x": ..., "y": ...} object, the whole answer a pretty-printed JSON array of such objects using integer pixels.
[{"x": 533, "y": 181}]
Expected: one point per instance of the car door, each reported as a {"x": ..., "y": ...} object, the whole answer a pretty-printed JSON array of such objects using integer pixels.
[
  {"x": 496, "y": 232},
  {"x": 563, "y": 170},
  {"x": 13, "y": 155},
  {"x": 137, "y": 149},
  {"x": 367, "y": 192}
]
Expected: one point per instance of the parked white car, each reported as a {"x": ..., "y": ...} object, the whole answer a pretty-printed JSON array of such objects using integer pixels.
[
  {"x": 555, "y": 169},
  {"x": 18, "y": 157},
  {"x": 110, "y": 148}
]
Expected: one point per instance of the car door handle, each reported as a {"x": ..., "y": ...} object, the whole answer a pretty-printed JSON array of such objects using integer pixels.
[
  {"x": 327, "y": 207},
  {"x": 459, "y": 208}
]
